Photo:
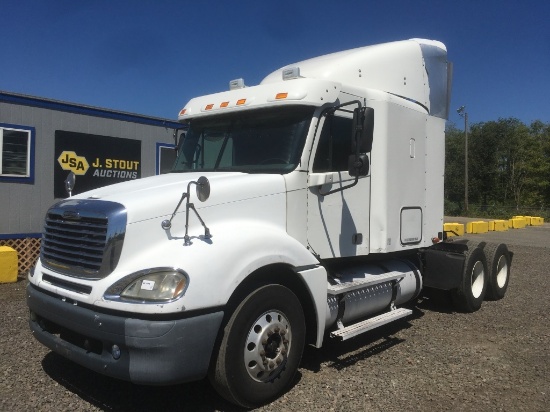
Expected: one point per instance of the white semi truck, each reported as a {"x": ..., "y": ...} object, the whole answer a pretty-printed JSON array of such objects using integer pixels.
[{"x": 306, "y": 208}]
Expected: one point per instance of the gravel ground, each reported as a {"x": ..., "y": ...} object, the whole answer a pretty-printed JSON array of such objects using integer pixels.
[{"x": 495, "y": 359}]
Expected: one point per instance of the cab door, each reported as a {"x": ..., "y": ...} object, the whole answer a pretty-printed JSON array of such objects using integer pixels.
[{"x": 338, "y": 223}]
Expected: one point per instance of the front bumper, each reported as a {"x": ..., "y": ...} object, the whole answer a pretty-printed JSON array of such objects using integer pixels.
[{"x": 152, "y": 352}]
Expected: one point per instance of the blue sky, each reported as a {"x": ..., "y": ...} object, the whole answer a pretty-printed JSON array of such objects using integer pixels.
[{"x": 150, "y": 57}]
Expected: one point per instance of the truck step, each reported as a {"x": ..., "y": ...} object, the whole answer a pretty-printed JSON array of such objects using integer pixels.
[
  {"x": 369, "y": 324},
  {"x": 363, "y": 283}
]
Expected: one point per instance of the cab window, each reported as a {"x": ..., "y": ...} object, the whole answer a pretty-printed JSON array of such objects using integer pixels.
[{"x": 334, "y": 145}]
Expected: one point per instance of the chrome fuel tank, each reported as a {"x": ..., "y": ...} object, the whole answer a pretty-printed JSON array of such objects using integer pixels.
[{"x": 377, "y": 294}]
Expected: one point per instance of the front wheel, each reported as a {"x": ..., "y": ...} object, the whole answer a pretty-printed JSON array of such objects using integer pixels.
[{"x": 261, "y": 347}]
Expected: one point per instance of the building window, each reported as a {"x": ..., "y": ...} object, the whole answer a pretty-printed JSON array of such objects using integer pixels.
[
  {"x": 17, "y": 159},
  {"x": 166, "y": 156}
]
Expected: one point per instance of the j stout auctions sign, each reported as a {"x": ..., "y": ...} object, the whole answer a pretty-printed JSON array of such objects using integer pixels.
[{"x": 95, "y": 160}]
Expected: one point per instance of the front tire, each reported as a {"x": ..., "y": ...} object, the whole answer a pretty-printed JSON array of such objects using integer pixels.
[
  {"x": 261, "y": 347},
  {"x": 469, "y": 296}
]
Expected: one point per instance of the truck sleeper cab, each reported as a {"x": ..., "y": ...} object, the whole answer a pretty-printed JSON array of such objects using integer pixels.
[{"x": 309, "y": 204}]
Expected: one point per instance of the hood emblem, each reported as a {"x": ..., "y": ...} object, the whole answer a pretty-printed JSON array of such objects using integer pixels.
[{"x": 71, "y": 215}]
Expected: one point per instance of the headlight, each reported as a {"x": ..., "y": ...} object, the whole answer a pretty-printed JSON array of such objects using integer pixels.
[{"x": 153, "y": 285}]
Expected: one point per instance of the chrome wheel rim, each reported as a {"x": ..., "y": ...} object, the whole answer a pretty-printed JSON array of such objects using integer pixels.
[
  {"x": 478, "y": 279},
  {"x": 502, "y": 271},
  {"x": 267, "y": 346}
]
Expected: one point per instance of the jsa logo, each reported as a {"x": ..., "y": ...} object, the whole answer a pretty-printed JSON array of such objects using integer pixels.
[{"x": 71, "y": 161}]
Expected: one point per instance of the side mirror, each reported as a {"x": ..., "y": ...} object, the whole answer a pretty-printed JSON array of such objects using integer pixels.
[
  {"x": 358, "y": 165},
  {"x": 363, "y": 130},
  {"x": 203, "y": 188},
  {"x": 177, "y": 141},
  {"x": 69, "y": 183}
]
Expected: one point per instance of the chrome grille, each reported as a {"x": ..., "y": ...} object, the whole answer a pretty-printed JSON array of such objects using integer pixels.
[{"x": 83, "y": 238}]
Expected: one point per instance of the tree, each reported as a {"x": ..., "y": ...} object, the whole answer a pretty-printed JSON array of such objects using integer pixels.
[
  {"x": 454, "y": 169},
  {"x": 509, "y": 164},
  {"x": 541, "y": 133}
]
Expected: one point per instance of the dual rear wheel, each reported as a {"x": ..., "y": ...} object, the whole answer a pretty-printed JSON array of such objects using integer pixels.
[
  {"x": 485, "y": 276},
  {"x": 498, "y": 261}
]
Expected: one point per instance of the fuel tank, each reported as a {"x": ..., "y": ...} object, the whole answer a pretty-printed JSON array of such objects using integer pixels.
[{"x": 377, "y": 294}]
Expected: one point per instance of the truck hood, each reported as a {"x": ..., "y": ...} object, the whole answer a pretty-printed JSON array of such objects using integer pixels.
[{"x": 157, "y": 196}]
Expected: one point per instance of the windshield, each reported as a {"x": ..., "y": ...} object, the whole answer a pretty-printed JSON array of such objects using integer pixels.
[{"x": 252, "y": 141}]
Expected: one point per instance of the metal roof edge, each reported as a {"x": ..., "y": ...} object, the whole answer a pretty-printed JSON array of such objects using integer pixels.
[
  {"x": 10, "y": 236},
  {"x": 34, "y": 101}
]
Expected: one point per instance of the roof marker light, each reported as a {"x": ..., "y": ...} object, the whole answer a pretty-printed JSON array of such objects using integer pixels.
[
  {"x": 281, "y": 96},
  {"x": 236, "y": 84},
  {"x": 224, "y": 104},
  {"x": 240, "y": 102},
  {"x": 182, "y": 112},
  {"x": 291, "y": 73},
  {"x": 209, "y": 106}
]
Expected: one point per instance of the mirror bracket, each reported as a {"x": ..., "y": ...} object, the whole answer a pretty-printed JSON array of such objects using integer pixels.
[
  {"x": 339, "y": 189},
  {"x": 203, "y": 193}
]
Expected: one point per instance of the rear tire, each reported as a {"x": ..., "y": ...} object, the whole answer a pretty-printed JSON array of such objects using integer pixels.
[
  {"x": 498, "y": 263},
  {"x": 469, "y": 296},
  {"x": 261, "y": 347}
]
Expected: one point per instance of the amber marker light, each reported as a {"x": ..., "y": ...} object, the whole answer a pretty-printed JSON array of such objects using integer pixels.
[
  {"x": 182, "y": 112},
  {"x": 224, "y": 104},
  {"x": 209, "y": 107},
  {"x": 180, "y": 287},
  {"x": 281, "y": 96},
  {"x": 241, "y": 102}
]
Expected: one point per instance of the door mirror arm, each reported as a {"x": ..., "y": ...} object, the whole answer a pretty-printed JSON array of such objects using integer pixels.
[{"x": 340, "y": 188}]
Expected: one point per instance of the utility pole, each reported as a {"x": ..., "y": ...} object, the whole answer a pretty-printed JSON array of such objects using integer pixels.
[{"x": 463, "y": 113}]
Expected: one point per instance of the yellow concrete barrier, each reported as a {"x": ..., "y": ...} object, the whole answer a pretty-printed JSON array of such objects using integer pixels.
[
  {"x": 477, "y": 227},
  {"x": 498, "y": 225},
  {"x": 527, "y": 219},
  {"x": 457, "y": 228},
  {"x": 517, "y": 222},
  {"x": 536, "y": 221},
  {"x": 8, "y": 265}
]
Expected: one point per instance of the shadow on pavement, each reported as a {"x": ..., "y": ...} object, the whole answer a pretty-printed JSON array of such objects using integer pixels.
[{"x": 113, "y": 395}]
